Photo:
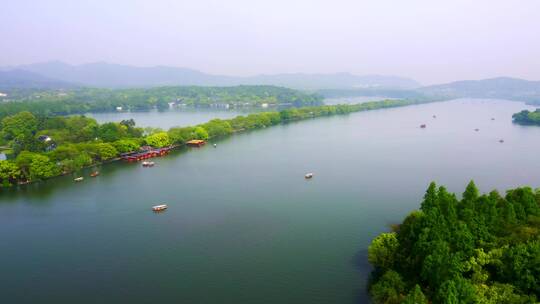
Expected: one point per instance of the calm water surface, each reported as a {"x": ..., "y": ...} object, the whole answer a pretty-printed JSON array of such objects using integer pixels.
[
  {"x": 243, "y": 226},
  {"x": 354, "y": 99},
  {"x": 168, "y": 118}
]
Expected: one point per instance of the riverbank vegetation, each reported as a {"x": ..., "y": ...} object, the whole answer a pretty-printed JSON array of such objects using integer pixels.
[
  {"x": 45, "y": 146},
  {"x": 80, "y": 101},
  {"x": 526, "y": 117},
  {"x": 480, "y": 249}
]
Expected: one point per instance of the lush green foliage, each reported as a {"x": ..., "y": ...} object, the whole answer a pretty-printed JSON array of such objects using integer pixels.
[
  {"x": 67, "y": 144},
  {"x": 159, "y": 140},
  {"x": 480, "y": 249},
  {"x": 9, "y": 172},
  {"x": 80, "y": 101},
  {"x": 526, "y": 117},
  {"x": 44, "y": 147}
]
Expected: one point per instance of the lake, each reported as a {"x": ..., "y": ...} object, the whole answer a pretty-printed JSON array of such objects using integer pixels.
[
  {"x": 168, "y": 118},
  {"x": 243, "y": 225},
  {"x": 354, "y": 99}
]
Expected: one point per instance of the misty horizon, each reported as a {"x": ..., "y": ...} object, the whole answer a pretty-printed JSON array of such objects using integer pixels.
[
  {"x": 429, "y": 42},
  {"x": 14, "y": 67}
]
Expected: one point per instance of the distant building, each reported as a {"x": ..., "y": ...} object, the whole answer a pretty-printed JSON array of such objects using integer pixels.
[
  {"x": 50, "y": 144},
  {"x": 264, "y": 105},
  {"x": 118, "y": 108},
  {"x": 44, "y": 138},
  {"x": 3, "y": 94}
]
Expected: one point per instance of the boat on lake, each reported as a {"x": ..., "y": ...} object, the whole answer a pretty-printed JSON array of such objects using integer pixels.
[
  {"x": 79, "y": 179},
  {"x": 477, "y": 129},
  {"x": 94, "y": 174},
  {"x": 308, "y": 175},
  {"x": 423, "y": 126},
  {"x": 148, "y": 163},
  {"x": 501, "y": 140},
  {"x": 159, "y": 207},
  {"x": 195, "y": 143},
  {"x": 215, "y": 146}
]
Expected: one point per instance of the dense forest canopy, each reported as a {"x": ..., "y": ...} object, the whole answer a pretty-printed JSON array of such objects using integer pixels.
[
  {"x": 480, "y": 249},
  {"x": 85, "y": 100},
  {"x": 526, "y": 117}
]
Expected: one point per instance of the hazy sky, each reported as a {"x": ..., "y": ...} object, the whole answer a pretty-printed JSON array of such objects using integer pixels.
[{"x": 431, "y": 41}]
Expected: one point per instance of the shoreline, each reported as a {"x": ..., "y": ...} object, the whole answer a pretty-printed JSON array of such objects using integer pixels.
[{"x": 282, "y": 117}]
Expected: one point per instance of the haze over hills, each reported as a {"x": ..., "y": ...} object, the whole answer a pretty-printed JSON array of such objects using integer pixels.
[
  {"x": 58, "y": 75},
  {"x": 102, "y": 74},
  {"x": 14, "y": 79},
  {"x": 500, "y": 88}
]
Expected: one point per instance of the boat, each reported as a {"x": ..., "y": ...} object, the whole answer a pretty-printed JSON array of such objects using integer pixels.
[
  {"x": 492, "y": 118},
  {"x": 434, "y": 116},
  {"x": 501, "y": 140},
  {"x": 78, "y": 179},
  {"x": 159, "y": 207},
  {"x": 215, "y": 146},
  {"x": 477, "y": 129},
  {"x": 423, "y": 126},
  {"x": 308, "y": 175},
  {"x": 94, "y": 174},
  {"x": 195, "y": 143},
  {"x": 148, "y": 163}
]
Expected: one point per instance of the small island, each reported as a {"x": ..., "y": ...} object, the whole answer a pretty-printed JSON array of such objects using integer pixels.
[
  {"x": 480, "y": 249},
  {"x": 527, "y": 117}
]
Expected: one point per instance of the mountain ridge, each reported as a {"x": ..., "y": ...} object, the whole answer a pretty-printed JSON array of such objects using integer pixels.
[{"x": 102, "y": 74}]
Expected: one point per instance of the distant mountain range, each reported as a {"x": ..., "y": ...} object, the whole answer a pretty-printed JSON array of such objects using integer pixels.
[
  {"x": 499, "y": 88},
  {"x": 115, "y": 75},
  {"x": 59, "y": 75},
  {"x": 494, "y": 88},
  {"x": 14, "y": 79}
]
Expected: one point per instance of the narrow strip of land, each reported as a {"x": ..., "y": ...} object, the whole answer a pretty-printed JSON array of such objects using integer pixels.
[{"x": 43, "y": 147}]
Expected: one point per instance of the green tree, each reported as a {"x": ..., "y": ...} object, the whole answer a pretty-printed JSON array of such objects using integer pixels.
[
  {"x": 106, "y": 151},
  {"x": 415, "y": 296},
  {"x": 457, "y": 291},
  {"x": 41, "y": 167},
  {"x": 430, "y": 198},
  {"x": 200, "y": 133},
  {"x": 126, "y": 145},
  {"x": 111, "y": 131},
  {"x": 389, "y": 288},
  {"x": 383, "y": 249},
  {"x": 9, "y": 172},
  {"x": 23, "y": 161},
  {"x": 20, "y": 124},
  {"x": 158, "y": 140}
]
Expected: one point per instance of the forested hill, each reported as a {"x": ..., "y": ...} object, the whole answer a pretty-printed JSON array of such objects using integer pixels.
[
  {"x": 499, "y": 88},
  {"x": 84, "y": 100},
  {"x": 101, "y": 74},
  {"x": 22, "y": 79},
  {"x": 480, "y": 249}
]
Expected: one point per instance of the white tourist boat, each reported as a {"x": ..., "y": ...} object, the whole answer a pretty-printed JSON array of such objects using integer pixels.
[{"x": 159, "y": 207}]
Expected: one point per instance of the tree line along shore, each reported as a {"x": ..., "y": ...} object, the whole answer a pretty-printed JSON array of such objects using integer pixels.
[
  {"x": 527, "y": 117},
  {"x": 41, "y": 147},
  {"x": 85, "y": 100}
]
